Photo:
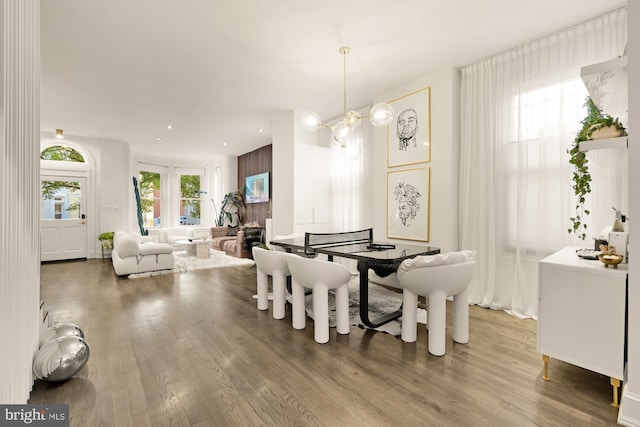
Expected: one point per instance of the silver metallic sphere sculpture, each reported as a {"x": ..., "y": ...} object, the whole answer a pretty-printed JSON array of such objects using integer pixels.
[
  {"x": 63, "y": 352},
  {"x": 60, "y": 330}
]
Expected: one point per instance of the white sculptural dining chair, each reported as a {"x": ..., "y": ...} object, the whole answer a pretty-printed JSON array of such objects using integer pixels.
[
  {"x": 436, "y": 277},
  {"x": 274, "y": 264},
  {"x": 319, "y": 276}
]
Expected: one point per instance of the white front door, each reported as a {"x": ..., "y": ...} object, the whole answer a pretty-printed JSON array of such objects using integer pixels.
[{"x": 63, "y": 228}]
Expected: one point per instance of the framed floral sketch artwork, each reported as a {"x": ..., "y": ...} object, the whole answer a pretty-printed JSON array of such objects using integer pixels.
[
  {"x": 409, "y": 134},
  {"x": 408, "y": 204}
]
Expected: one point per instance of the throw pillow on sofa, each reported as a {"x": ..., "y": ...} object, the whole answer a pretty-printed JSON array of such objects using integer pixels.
[{"x": 232, "y": 231}]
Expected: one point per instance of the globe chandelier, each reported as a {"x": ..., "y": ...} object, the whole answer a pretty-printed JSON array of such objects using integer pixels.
[{"x": 380, "y": 114}]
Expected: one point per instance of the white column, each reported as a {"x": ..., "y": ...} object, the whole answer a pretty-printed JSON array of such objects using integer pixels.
[
  {"x": 283, "y": 173},
  {"x": 19, "y": 197},
  {"x": 629, "y": 413}
]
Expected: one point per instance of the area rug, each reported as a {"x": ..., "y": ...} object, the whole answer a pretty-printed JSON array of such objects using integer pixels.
[
  {"x": 381, "y": 301},
  {"x": 184, "y": 263}
]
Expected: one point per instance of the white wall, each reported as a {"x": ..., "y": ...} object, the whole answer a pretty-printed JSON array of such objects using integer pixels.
[
  {"x": 301, "y": 186},
  {"x": 113, "y": 180},
  {"x": 312, "y": 189},
  {"x": 629, "y": 413},
  {"x": 283, "y": 173},
  {"x": 108, "y": 175},
  {"x": 444, "y": 161}
]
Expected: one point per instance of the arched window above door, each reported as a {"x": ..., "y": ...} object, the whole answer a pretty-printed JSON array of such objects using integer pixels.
[{"x": 61, "y": 153}]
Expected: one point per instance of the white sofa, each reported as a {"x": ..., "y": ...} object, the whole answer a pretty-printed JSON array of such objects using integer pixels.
[
  {"x": 133, "y": 253},
  {"x": 172, "y": 235}
]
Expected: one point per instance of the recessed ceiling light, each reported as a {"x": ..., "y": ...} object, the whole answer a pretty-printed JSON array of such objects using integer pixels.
[
  {"x": 158, "y": 138},
  {"x": 224, "y": 143},
  {"x": 260, "y": 130},
  {"x": 169, "y": 127}
]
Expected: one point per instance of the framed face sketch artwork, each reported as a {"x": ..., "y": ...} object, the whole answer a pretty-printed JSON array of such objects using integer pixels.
[
  {"x": 408, "y": 204},
  {"x": 409, "y": 134}
]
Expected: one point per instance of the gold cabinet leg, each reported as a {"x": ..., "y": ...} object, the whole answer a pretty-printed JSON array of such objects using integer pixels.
[
  {"x": 545, "y": 370},
  {"x": 616, "y": 386}
]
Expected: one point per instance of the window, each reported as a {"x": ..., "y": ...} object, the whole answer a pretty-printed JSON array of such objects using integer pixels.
[
  {"x": 189, "y": 201},
  {"x": 171, "y": 196},
  {"x": 60, "y": 199},
  {"x": 151, "y": 198},
  {"x": 543, "y": 111},
  {"x": 544, "y": 120},
  {"x": 61, "y": 153}
]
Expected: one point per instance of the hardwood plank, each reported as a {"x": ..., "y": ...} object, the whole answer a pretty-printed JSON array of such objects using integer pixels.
[{"x": 191, "y": 349}]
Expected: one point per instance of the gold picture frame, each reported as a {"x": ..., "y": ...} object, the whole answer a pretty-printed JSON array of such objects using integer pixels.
[
  {"x": 408, "y": 204},
  {"x": 409, "y": 135}
]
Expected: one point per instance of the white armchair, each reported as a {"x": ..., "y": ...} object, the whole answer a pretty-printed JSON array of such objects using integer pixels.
[
  {"x": 437, "y": 277},
  {"x": 133, "y": 253}
]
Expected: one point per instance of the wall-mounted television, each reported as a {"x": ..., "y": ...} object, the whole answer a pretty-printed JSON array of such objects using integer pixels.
[{"x": 256, "y": 188}]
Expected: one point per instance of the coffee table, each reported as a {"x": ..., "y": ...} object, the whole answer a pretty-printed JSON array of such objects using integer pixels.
[{"x": 199, "y": 248}]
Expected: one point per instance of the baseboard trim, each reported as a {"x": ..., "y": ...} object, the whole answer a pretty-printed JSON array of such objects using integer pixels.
[{"x": 629, "y": 413}]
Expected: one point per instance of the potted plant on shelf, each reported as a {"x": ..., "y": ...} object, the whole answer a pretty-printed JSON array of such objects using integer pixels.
[
  {"x": 106, "y": 239},
  {"x": 597, "y": 125}
]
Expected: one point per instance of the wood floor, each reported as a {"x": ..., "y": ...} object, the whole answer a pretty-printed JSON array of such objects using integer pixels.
[{"x": 191, "y": 349}]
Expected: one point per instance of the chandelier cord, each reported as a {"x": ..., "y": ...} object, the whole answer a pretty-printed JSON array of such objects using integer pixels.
[
  {"x": 344, "y": 51},
  {"x": 344, "y": 56}
]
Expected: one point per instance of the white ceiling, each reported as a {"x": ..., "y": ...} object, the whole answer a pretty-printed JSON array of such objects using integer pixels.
[{"x": 220, "y": 71}]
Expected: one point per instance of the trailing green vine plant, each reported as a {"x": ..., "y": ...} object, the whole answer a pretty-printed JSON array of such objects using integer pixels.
[{"x": 594, "y": 121}]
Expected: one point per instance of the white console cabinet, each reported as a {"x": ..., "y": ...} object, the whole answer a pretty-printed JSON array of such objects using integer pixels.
[{"x": 581, "y": 314}]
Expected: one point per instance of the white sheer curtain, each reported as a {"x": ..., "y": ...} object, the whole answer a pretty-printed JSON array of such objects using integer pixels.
[
  {"x": 349, "y": 186},
  {"x": 520, "y": 111}
]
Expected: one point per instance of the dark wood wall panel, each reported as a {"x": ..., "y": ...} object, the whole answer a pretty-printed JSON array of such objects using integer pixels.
[{"x": 252, "y": 163}]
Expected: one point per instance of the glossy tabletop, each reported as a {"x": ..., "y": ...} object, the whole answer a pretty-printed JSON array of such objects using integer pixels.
[{"x": 366, "y": 258}]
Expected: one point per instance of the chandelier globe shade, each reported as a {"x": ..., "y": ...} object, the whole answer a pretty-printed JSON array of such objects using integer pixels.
[
  {"x": 342, "y": 132},
  {"x": 381, "y": 114},
  {"x": 310, "y": 121}
]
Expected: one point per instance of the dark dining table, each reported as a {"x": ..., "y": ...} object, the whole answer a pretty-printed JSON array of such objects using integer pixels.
[{"x": 381, "y": 257}]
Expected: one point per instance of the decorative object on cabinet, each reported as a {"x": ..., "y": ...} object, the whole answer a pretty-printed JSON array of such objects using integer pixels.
[
  {"x": 609, "y": 256},
  {"x": 611, "y": 260},
  {"x": 595, "y": 121},
  {"x": 409, "y": 139},
  {"x": 408, "y": 204}
]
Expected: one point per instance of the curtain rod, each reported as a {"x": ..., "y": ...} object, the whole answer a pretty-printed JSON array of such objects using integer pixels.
[{"x": 595, "y": 18}]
